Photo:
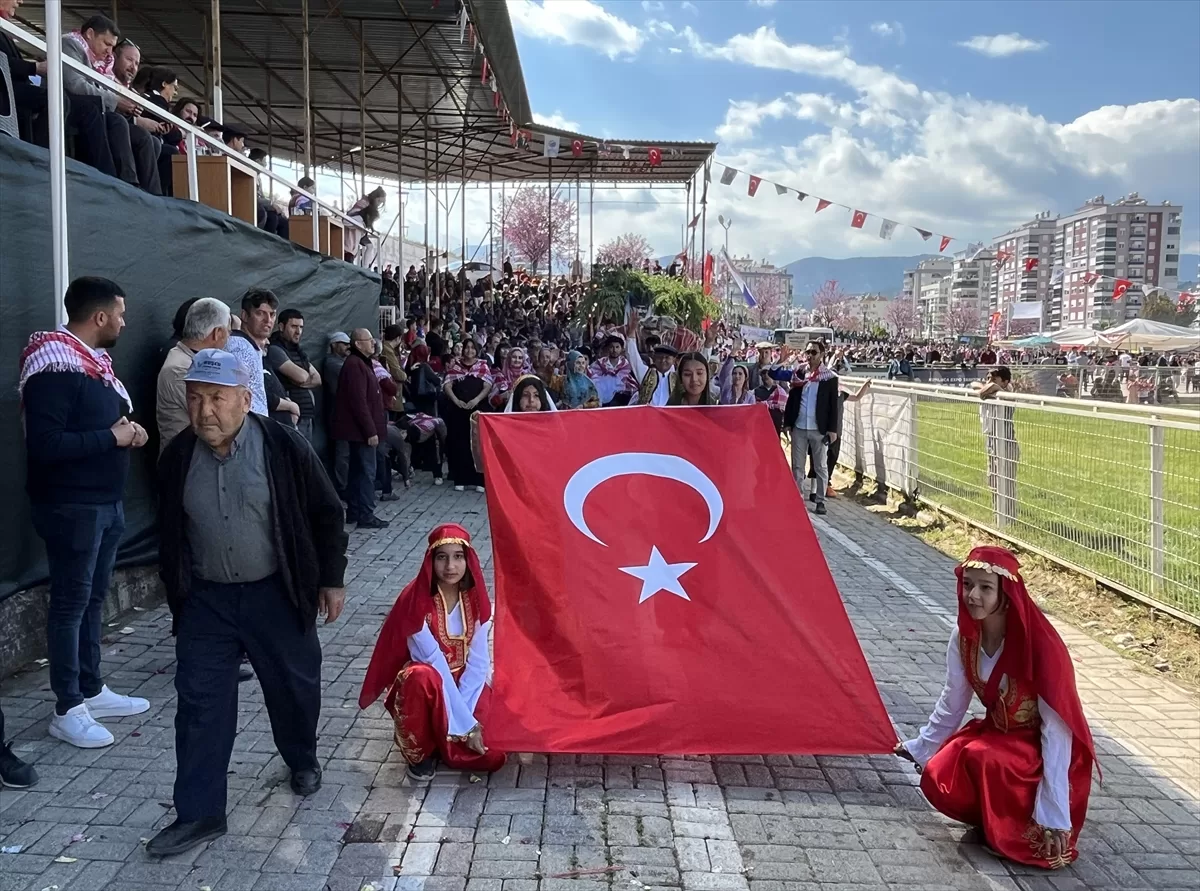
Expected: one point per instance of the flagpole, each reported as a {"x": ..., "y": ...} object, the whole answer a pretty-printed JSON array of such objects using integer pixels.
[{"x": 704, "y": 220}]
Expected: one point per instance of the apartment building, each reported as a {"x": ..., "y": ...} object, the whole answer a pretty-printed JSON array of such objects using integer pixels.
[
  {"x": 1023, "y": 261},
  {"x": 916, "y": 279},
  {"x": 771, "y": 284},
  {"x": 933, "y": 302},
  {"x": 1130, "y": 239}
]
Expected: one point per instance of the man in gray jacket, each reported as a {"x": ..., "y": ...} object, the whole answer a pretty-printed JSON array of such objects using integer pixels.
[{"x": 133, "y": 153}]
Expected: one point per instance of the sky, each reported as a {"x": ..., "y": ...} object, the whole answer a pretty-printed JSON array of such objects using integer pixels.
[{"x": 963, "y": 118}]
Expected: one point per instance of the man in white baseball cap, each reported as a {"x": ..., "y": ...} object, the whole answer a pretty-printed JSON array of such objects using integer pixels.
[{"x": 251, "y": 549}]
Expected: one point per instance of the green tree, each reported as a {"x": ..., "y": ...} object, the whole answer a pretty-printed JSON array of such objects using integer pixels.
[
  {"x": 1158, "y": 307},
  {"x": 683, "y": 301},
  {"x": 663, "y": 295}
]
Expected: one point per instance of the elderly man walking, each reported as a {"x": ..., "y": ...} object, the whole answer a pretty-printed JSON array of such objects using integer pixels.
[
  {"x": 206, "y": 326},
  {"x": 251, "y": 551}
]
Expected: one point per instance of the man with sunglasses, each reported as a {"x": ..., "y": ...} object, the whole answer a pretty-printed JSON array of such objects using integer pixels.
[{"x": 810, "y": 420}]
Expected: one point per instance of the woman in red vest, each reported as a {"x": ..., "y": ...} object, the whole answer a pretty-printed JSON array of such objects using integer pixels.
[
  {"x": 1022, "y": 774},
  {"x": 433, "y": 659}
]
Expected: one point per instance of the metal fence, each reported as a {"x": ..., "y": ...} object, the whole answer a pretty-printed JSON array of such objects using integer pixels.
[{"x": 1110, "y": 490}]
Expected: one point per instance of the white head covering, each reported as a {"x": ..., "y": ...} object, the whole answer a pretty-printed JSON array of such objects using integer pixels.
[{"x": 509, "y": 408}]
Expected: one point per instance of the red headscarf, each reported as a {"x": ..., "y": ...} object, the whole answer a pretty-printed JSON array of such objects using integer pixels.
[
  {"x": 412, "y": 608},
  {"x": 1033, "y": 652}
]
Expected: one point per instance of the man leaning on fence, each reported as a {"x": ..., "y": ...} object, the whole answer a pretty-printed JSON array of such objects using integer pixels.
[
  {"x": 1000, "y": 436},
  {"x": 251, "y": 549}
]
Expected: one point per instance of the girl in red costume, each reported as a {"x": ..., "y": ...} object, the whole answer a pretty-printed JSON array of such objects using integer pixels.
[
  {"x": 1022, "y": 774},
  {"x": 433, "y": 661}
]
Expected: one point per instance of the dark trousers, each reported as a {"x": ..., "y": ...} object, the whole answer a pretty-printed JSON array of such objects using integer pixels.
[
  {"x": 146, "y": 148},
  {"x": 341, "y": 465},
  {"x": 360, "y": 484},
  {"x": 31, "y": 112},
  {"x": 383, "y": 468},
  {"x": 216, "y": 625},
  {"x": 81, "y": 547},
  {"x": 166, "y": 170},
  {"x": 273, "y": 221},
  {"x": 86, "y": 115}
]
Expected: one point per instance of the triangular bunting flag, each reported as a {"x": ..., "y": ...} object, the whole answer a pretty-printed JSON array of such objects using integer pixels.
[
  {"x": 728, "y": 175},
  {"x": 1057, "y": 275},
  {"x": 946, "y": 239},
  {"x": 695, "y": 220},
  {"x": 859, "y": 218},
  {"x": 886, "y": 229},
  {"x": 1120, "y": 286},
  {"x": 800, "y": 196},
  {"x": 822, "y": 204},
  {"x": 754, "y": 181},
  {"x": 925, "y": 234},
  {"x": 780, "y": 190}
]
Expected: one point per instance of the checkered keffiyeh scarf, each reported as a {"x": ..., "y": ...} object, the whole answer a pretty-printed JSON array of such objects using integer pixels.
[
  {"x": 64, "y": 352},
  {"x": 101, "y": 65}
]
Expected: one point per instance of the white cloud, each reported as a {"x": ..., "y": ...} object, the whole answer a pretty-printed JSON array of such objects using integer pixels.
[
  {"x": 690, "y": 7},
  {"x": 674, "y": 50},
  {"x": 954, "y": 164},
  {"x": 557, "y": 121},
  {"x": 652, "y": 5},
  {"x": 1000, "y": 45},
  {"x": 763, "y": 3},
  {"x": 660, "y": 28},
  {"x": 889, "y": 30},
  {"x": 576, "y": 23}
]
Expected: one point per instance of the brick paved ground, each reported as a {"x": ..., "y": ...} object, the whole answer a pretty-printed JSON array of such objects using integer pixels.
[{"x": 623, "y": 824}]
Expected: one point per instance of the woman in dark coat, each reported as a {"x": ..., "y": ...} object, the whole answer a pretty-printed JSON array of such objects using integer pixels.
[{"x": 468, "y": 382}]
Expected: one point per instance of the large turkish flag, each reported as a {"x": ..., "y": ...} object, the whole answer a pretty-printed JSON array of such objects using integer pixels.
[{"x": 660, "y": 589}]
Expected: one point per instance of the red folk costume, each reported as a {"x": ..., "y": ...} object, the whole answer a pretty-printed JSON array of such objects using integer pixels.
[
  {"x": 1027, "y": 766},
  {"x": 433, "y": 664}
]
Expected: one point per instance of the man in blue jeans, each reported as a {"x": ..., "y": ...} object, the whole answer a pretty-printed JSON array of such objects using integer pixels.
[{"x": 77, "y": 442}]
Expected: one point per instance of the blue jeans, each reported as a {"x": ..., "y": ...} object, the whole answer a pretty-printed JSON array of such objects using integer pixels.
[
  {"x": 81, "y": 547},
  {"x": 360, "y": 485}
]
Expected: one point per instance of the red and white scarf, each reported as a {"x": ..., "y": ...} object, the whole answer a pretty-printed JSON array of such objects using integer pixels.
[
  {"x": 99, "y": 65},
  {"x": 62, "y": 351},
  {"x": 479, "y": 368}
]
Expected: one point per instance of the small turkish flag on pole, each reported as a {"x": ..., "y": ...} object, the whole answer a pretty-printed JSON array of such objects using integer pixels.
[
  {"x": 1089, "y": 278},
  {"x": 1031, "y": 264},
  {"x": 655, "y": 156},
  {"x": 1120, "y": 286},
  {"x": 637, "y": 609},
  {"x": 859, "y": 218},
  {"x": 577, "y": 148},
  {"x": 754, "y": 181}
]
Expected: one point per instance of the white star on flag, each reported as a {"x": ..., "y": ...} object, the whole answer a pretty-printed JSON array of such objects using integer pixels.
[{"x": 659, "y": 575}]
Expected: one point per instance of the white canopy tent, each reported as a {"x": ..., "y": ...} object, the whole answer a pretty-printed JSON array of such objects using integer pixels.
[
  {"x": 1139, "y": 334},
  {"x": 1081, "y": 337}
]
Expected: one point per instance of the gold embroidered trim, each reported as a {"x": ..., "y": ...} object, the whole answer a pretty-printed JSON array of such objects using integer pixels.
[
  {"x": 989, "y": 567},
  {"x": 448, "y": 541}
]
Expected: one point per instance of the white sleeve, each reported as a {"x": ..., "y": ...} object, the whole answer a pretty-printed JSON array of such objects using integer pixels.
[
  {"x": 635, "y": 361},
  {"x": 479, "y": 663},
  {"x": 424, "y": 648},
  {"x": 950, "y": 710},
  {"x": 1052, "y": 804}
]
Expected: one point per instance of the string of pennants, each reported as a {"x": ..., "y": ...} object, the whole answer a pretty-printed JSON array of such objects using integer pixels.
[
  {"x": 552, "y": 146},
  {"x": 858, "y": 218},
  {"x": 887, "y": 229}
]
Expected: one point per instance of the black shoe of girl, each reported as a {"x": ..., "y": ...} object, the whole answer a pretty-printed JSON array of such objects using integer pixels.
[
  {"x": 15, "y": 773},
  {"x": 423, "y": 771}
]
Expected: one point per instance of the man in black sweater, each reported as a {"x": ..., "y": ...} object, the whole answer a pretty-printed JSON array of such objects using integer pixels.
[
  {"x": 810, "y": 421},
  {"x": 77, "y": 442},
  {"x": 251, "y": 549}
]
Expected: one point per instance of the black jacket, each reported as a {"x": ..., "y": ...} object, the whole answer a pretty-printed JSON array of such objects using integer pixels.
[
  {"x": 309, "y": 536},
  {"x": 827, "y": 408}
]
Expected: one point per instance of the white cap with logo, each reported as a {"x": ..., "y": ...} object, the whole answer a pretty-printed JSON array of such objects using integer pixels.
[{"x": 217, "y": 367}]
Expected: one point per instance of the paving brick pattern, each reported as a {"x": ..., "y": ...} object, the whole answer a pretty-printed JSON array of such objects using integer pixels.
[{"x": 588, "y": 823}]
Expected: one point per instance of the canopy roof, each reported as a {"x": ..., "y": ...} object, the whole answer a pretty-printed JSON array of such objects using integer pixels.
[
  {"x": 1138, "y": 333},
  {"x": 421, "y": 86}
]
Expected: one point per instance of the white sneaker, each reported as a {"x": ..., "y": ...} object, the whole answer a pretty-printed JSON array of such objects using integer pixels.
[
  {"x": 480, "y": 489},
  {"x": 80, "y": 729},
  {"x": 437, "y": 480},
  {"x": 460, "y": 488},
  {"x": 107, "y": 704}
]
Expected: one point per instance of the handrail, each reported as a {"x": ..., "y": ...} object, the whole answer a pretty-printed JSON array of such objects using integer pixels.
[
  {"x": 192, "y": 133},
  {"x": 1175, "y": 417}
]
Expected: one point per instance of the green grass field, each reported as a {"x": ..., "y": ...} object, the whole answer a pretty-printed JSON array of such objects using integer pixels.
[{"x": 1083, "y": 491}]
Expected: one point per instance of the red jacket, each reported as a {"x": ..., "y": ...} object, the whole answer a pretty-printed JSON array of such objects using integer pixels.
[{"x": 358, "y": 413}]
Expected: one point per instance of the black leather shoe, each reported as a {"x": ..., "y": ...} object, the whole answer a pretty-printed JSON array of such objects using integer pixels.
[
  {"x": 306, "y": 782},
  {"x": 372, "y": 522},
  {"x": 15, "y": 773},
  {"x": 180, "y": 837}
]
